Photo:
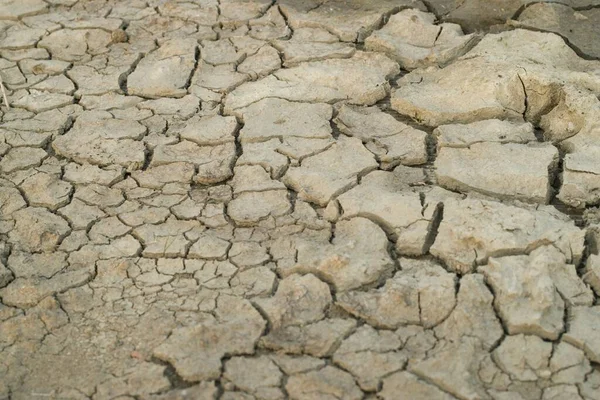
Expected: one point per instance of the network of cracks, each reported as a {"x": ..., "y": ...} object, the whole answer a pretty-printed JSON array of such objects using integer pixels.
[{"x": 303, "y": 199}]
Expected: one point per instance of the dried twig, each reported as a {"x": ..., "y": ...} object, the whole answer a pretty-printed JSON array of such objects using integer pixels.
[{"x": 4, "y": 92}]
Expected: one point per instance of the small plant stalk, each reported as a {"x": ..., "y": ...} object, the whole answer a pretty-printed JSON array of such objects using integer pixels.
[{"x": 4, "y": 93}]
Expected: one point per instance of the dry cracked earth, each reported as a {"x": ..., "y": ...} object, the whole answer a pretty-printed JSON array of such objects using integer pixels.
[{"x": 303, "y": 199}]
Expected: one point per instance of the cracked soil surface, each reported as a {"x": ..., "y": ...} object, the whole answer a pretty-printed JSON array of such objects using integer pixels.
[{"x": 300, "y": 199}]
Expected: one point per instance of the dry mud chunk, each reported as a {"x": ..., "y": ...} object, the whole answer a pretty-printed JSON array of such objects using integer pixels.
[
  {"x": 22, "y": 54},
  {"x": 18, "y": 37},
  {"x": 209, "y": 247},
  {"x": 49, "y": 121},
  {"x": 577, "y": 26},
  {"x": 477, "y": 14},
  {"x": 473, "y": 315},
  {"x": 537, "y": 48},
  {"x": 248, "y": 254},
  {"x": 418, "y": 342},
  {"x": 125, "y": 246},
  {"x": 235, "y": 11},
  {"x": 590, "y": 388},
  {"x": 592, "y": 273},
  {"x": 297, "y": 149},
  {"x": 251, "y": 92},
  {"x": 322, "y": 177},
  {"x": 6, "y": 275},
  {"x": 214, "y": 162},
  {"x": 383, "y": 197},
  {"x": 562, "y": 111},
  {"x": 23, "y": 138},
  {"x": 318, "y": 339},
  {"x": 560, "y": 392},
  {"x": 271, "y": 25},
  {"x": 571, "y": 287},
  {"x": 107, "y": 24},
  {"x": 524, "y": 358},
  {"x": 421, "y": 295},
  {"x": 196, "y": 351},
  {"x": 491, "y": 130},
  {"x": 515, "y": 280},
  {"x": 512, "y": 170},
  {"x": 473, "y": 230},
  {"x": 254, "y": 282},
  {"x": 391, "y": 141},
  {"x": 351, "y": 20},
  {"x": 253, "y": 178},
  {"x": 145, "y": 379},
  {"x": 366, "y": 338},
  {"x": 39, "y": 101},
  {"x": 221, "y": 51},
  {"x": 210, "y": 130},
  {"x": 361, "y": 79},
  {"x": 164, "y": 72},
  {"x": 370, "y": 367},
  {"x": 314, "y": 35},
  {"x": 16, "y": 9},
  {"x": 581, "y": 178},
  {"x": 21, "y": 158},
  {"x": 266, "y": 155},
  {"x": 76, "y": 44},
  {"x": 441, "y": 96},
  {"x": 299, "y": 300},
  {"x": 205, "y": 13},
  {"x": 103, "y": 142},
  {"x": 37, "y": 229},
  {"x": 10, "y": 201},
  {"x": 107, "y": 228},
  {"x": 405, "y": 386},
  {"x": 109, "y": 101},
  {"x": 90, "y": 81},
  {"x": 81, "y": 215},
  {"x": 259, "y": 376},
  {"x": 369, "y": 355},
  {"x": 357, "y": 255},
  {"x": 278, "y": 118},
  {"x": 295, "y": 364},
  {"x": 56, "y": 84},
  {"x": 167, "y": 239},
  {"x": 249, "y": 208},
  {"x": 86, "y": 174},
  {"x": 265, "y": 61},
  {"x": 299, "y": 49},
  {"x": 219, "y": 78},
  {"x": 213, "y": 275},
  {"x": 368, "y": 122},
  {"x": 569, "y": 364},
  {"x": 202, "y": 391},
  {"x": 27, "y": 265},
  {"x": 573, "y": 123},
  {"x": 27, "y": 292},
  {"x": 583, "y": 331},
  {"x": 326, "y": 383},
  {"x": 237, "y": 395},
  {"x": 98, "y": 195},
  {"x": 159, "y": 176},
  {"x": 411, "y": 38},
  {"x": 183, "y": 108},
  {"x": 502, "y": 65},
  {"x": 45, "y": 190},
  {"x": 454, "y": 367}
]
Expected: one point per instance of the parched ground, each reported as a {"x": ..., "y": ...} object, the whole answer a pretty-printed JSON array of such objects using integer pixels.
[{"x": 300, "y": 199}]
